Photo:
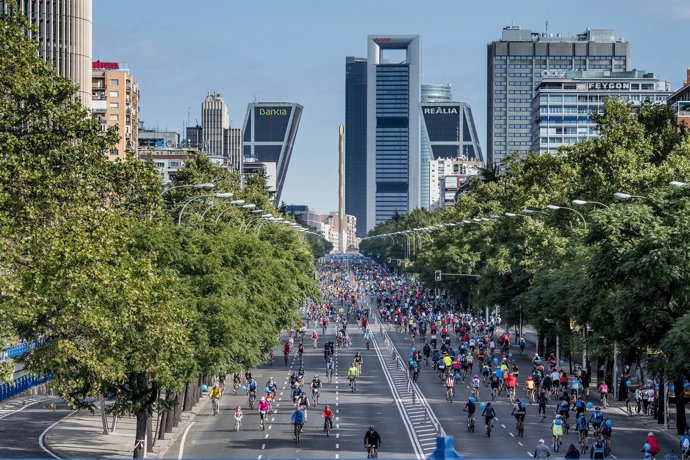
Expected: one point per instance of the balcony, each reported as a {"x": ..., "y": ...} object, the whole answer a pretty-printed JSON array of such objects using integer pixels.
[{"x": 98, "y": 106}]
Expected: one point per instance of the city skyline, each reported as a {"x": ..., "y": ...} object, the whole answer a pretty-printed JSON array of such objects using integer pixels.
[{"x": 263, "y": 57}]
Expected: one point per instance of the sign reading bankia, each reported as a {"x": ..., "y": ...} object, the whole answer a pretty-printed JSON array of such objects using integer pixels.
[
  {"x": 440, "y": 110},
  {"x": 606, "y": 85},
  {"x": 273, "y": 111}
]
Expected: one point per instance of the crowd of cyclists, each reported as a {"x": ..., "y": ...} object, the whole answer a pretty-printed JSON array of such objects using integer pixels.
[{"x": 458, "y": 346}]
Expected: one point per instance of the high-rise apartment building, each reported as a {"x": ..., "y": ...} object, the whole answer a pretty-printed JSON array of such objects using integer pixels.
[
  {"x": 356, "y": 140},
  {"x": 64, "y": 37},
  {"x": 232, "y": 147},
  {"x": 393, "y": 137},
  {"x": 214, "y": 121},
  {"x": 194, "y": 137},
  {"x": 515, "y": 65},
  {"x": 115, "y": 103},
  {"x": 270, "y": 129},
  {"x": 564, "y": 102}
]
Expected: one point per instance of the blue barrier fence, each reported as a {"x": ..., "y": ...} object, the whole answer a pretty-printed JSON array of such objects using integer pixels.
[
  {"x": 15, "y": 351},
  {"x": 21, "y": 385}
]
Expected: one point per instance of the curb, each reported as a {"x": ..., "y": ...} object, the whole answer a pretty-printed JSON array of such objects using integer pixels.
[
  {"x": 42, "y": 439},
  {"x": 163, "y": 448}
]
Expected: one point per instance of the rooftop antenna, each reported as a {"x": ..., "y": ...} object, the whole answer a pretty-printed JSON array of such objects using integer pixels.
[{"x": 547, "y": 27}]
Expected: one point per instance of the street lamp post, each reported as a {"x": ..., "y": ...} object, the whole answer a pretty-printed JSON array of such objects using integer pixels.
[
  {"x": 584, "y": 202},
  {"x": 555, "y": 208},
  {"x": 204, "y": 186},
  {"x": 198, "y": 197}
]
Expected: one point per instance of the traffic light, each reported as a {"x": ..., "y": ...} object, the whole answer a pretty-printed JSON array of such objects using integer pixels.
[
  {"x": 437, "y": 275},
  {"x": 399, "y": 262},
  {"x": 389, "y": 260}
]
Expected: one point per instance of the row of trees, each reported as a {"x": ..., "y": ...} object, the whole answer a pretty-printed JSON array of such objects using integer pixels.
[
  {"x": 619, "y": 276},
  {"x": 128, "y": 303}
]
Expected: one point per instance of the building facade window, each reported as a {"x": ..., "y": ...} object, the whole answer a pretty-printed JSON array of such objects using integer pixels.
[{"x": 114, "y": 94}]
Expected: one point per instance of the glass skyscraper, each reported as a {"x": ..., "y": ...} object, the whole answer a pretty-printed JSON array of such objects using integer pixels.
[
  {"x": 515, "y": 65},
  {"x": 356, "y": 141},
  {"x": 430, "y": 93},
  {"x": 270, "y": 129},
  {"x": 393, "y": 127}
]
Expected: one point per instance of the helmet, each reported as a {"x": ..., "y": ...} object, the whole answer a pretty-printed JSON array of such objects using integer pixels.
[
  {"x": 475, "y": 376},
  {"x": 558, "y": 416},
  {"x": 316, "y": 376},
  {"x": 529, "y": 377},
  {"x": 371, "y": 428},
  {"x": 263, "y": 398}
]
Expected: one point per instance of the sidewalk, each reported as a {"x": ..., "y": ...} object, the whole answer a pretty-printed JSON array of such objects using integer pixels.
[
  {"x": 648, "y": 422},
  {"x": 80, "y": 435}
]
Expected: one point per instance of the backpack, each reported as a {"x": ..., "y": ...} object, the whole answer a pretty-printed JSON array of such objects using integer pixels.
[
  {"x": 563, "y": 405},
  {"x": 685, "y": 443},
  {"x": 598, "y": 416},
  {"x": 579, "y": 404},
  {"x": 252, "y": 385},
  {"x": 598, "y": 448}
]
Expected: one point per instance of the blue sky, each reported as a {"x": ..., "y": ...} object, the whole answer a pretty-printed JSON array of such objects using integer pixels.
[{"x": 294, "y": 50}]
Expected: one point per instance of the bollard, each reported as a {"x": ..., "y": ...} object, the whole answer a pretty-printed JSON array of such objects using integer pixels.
[{"x": 444, "y": 449}]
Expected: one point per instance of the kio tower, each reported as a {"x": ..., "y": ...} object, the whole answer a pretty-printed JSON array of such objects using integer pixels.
[{"x": 393, "y": 127}]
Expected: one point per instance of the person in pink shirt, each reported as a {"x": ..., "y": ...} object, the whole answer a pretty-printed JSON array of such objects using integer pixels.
[{"x": 264, "y": 408}]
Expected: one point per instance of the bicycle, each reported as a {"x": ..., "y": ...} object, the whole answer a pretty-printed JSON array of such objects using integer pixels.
[
  {"x": 605, "y": 400},
  {"x": 238, "y": 424},
  {"x": 298, "y": 430},
  {"x": 450, "y": 392},
  {"x": 489, "y": 427},
  {"x": 372, "y": 451},
  {"x": 494, "y": 394},
  {"x": 359, "y": 368},
  {"x": 252, "y": 399},
  {"x": 583, "y": 442},
  {"x": 262, "y": 420},
  {"x": 329, "y": 375},
  {"x": 368, "y": 342},
  {"x": 315, "y": 396},
  {"x": 215, "y": 404},
  {"x": 520, "y": 426},
  {"x": 470, "y": 423},
  {"x": 556, "y": 443}
]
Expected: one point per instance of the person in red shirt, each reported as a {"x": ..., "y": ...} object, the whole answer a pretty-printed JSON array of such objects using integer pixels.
[
  {"x": 327, "y": 415},
  {"x": 653, "y": 444}
]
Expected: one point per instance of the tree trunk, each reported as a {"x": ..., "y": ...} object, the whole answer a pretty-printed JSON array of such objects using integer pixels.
[
  {"x": 150, "y": 438},
  {"x": 188, "y": 392},
  {"x": 104, "y": 416},
  {"x": 139, "y": 438},
  {"x": 163, "y": 424},
  {"x": 660, "y": 402},
  {"x": 681, "y": 422}
]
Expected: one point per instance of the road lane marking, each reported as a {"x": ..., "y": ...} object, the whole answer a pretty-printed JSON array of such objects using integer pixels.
[
  {"x": 184, "y": 438},
  {"x": 337, "y": 435},
  {"x": 270, "y": 426},
  {"x": 263, "y": 446},
  {"x": 266, "y": 436},
  {"x": 530, "y": 454},
  {"x": 503, "y": 425},
  {"x": 520, "y": 444},
  {"x": 337, "y": 446},
  {"x": 42, "y": 436},
  {"x": 511, "y": 435}
]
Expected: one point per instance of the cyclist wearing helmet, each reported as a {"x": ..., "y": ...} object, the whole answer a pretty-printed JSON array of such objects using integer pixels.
[{"x": 372, "y": 441}]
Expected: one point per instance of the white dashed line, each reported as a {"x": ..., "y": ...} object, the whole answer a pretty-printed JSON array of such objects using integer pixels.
[
  {"x": 511, "y": 435},
  {"x": 337, "y": 446},
  {"x": 337, "y": 435},
  {"x": 520, "y": 444},
  {"x": 503, "y": 425},
  {"x": 530, "y": 454},
  {"x": 263, "y": 446},
  {"x": 266, "y": 436},
  {"x": 270, "y": 426}
]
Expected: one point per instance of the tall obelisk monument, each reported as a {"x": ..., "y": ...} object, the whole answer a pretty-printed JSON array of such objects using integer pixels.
[{"x": 341, "y": 194}]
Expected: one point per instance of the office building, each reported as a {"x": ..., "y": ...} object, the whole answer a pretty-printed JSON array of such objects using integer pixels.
[
  {"x": 564, "y": 101},
  {"x": 430, "y": 93},
  {"x": 157, "y": 139},
  {"x": 232, "y": 147},
  {"x": 515, "y": 63},
  {"x": 393, "y": 126},
  {"x": 214, "y": 121},
  {"x": 448, "y": 177},
  {"x": 115, "y": 103},
  {"x": 167, "y": 160},
  {"x": 252, "y": 167},
  {"x": 270, "y": 129},
  {"x": 64, "y": 37},
  {"x": 194, "y": 137},
  {"x": 356, "y": 140},
  {"x": 680, "y": 102}
]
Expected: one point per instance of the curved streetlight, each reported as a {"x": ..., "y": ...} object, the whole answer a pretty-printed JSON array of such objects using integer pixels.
[
  {"x": 620, "y": 196},
  {"x": 555, "y": 208},
  {"x": 529, "y": 212},
  {"x": 235, "y": 203},
  {"x": 678, "y": 184},
  {"x": 198, "y": 197},
  {"x": 204, "y": 186},
  {"x": 584, "y": 202}
]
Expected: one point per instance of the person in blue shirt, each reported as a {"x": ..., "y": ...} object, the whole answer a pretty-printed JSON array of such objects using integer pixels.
[
  {"x": 297, "y": 419},
  {"x": 685, "y": 445},
  {"x": 296, "y": 393}
]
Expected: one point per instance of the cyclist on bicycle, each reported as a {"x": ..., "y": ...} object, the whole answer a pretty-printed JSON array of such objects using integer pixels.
[
  {"x": 685, "y": 445},
  {"x": 352, "y": 375},
  {"x": 596, "y": 419},
  {"x": 296, "y": 393},
  {"x": 579, "y": 407},
  {"x": 598, "y": 450},
  {"x": 488, "y": 413},
  {"x": 557, "y": 431},
  {"x": 215, "y": 392},
  {"x": 358, "y": 362},
  {"x": 300, "y": 375},
  {"x": 372, "y": 441},
  {"x": 315, "y": 386},
  {"x": 604, "y": 390},
  {"x": 297, "y": 419},
  {"x": 450, "y": 388},
  {"x": 264, "y": 408},
  {"x": 475, "y": 385},
  {"x": 582, "y": 426},
  {"x": 607, "y": 432},
  {"x": 470, "y": 408},
  {"x": 519, "y": 411},
  {"x": 495, "y": 384},
  {"x": 327, "y": 415},
  {"x": 330, "y": 364}
]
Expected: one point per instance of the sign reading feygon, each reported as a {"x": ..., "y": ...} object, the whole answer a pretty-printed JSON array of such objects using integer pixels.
[
  {"x": 440, "y": 110},
  {"x": 606, "y": 85}
]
